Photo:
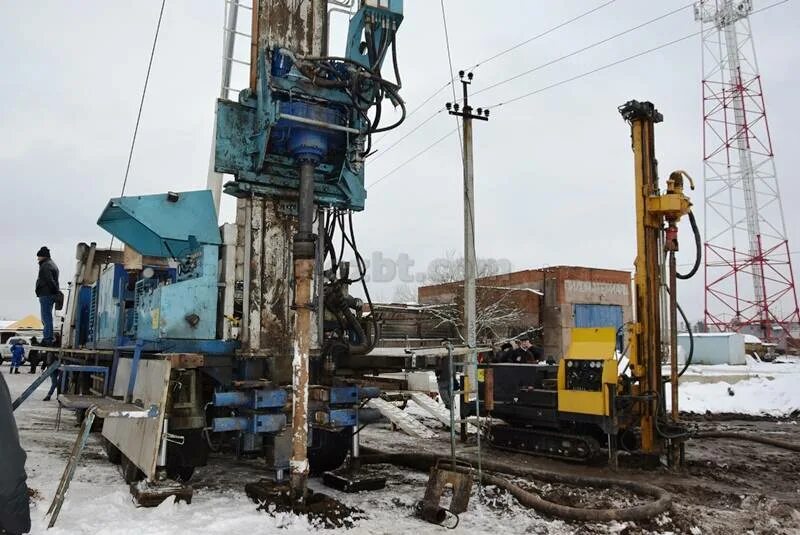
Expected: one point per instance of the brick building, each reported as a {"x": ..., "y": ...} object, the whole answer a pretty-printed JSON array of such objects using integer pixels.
[{"x": 555, "y": 298}]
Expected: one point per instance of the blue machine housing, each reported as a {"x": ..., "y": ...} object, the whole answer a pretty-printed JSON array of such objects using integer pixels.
[
  {"x": 160, "y": 305},
  {"x": 290, "y": 118},
  {"x": 186, "y": 309}
]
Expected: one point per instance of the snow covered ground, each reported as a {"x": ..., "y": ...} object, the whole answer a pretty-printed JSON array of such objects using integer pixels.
[
  {"x": 756, "y": 388},
  {"x": 100, "y": 503}
]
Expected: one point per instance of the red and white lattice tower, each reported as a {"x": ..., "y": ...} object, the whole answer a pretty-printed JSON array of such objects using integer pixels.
[{"x": 749, "y": 284}]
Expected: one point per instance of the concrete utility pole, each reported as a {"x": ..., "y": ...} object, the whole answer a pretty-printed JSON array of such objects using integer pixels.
[{"x": 470, "y": 262}]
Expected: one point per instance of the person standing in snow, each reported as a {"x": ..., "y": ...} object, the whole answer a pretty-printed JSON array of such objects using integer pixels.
[
  {"x": 17, "y": 356},
  {"x": 47, "y": 291},
  {"x": 33, "y": 354},
  {"x": 15, "y": 512}
]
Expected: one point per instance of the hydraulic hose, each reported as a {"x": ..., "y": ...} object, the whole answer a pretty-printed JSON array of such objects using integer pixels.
[
  {"x": 748, "y": 437},
  {"x": 691, "y": 339},
  {"x": 698, "y": 247},
  {"x": 662, "y": 502}
]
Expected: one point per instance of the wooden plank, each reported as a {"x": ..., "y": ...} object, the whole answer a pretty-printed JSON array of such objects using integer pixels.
[
  {"x": 437, "y": 411},
  {"x": 402, "y": 420},
  {"x": 139, "y": 438},
  {"x": 183, "y": 360}
]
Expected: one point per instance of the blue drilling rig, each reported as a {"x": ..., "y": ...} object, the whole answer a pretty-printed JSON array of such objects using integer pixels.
[{"x": 245, "y": 338}]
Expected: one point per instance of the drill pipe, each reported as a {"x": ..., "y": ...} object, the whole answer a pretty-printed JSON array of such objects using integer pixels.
[{"x": 304, "y": 249}]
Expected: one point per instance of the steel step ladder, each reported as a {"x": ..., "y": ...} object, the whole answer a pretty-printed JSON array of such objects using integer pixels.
[{"x": 105, "y": 408}]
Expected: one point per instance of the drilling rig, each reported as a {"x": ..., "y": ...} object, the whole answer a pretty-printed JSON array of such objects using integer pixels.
[
  {"x": 590, "y": 400},
  {"x": 246, "y": 339}
]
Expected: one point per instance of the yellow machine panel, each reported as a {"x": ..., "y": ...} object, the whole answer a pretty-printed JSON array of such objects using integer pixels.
[{"x": 588, "y": 371}]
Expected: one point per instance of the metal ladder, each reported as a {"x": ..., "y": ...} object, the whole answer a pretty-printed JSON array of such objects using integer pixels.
[{"x": 105, "y": 408}]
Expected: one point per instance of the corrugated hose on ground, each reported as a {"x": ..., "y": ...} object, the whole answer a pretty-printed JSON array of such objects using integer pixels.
[
  {"x": 749, "y": 437},
  {"x": 662, "y": 502}
]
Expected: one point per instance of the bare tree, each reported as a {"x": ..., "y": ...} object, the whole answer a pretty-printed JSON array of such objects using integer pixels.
[
  {"x": 405, "y": 293},
  {"x": 450, "y": 268},
  {"x": 497, "y": 313}
]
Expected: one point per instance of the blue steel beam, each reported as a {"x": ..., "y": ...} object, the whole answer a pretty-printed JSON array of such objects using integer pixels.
[
  {"x": 256, "y": 423},
  {"x": 266, "y": 398},
  {"x": 35, "y": 384}
]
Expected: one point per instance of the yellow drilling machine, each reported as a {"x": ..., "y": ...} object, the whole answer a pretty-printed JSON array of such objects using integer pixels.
[{"x": 610, "y": 390}]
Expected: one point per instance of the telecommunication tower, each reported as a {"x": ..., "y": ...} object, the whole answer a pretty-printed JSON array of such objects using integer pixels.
[{"x": 749, "y": 284}]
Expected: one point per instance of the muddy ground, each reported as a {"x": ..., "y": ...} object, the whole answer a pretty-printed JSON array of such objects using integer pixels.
[{"x": 725, "y": 486}]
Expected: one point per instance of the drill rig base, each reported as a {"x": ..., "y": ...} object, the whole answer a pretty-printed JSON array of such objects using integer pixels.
[{"x": 541, "y": 442}]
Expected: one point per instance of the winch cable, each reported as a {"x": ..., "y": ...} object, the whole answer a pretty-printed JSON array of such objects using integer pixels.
[
  {"x": 141, "y": 107},
  {"x": 662, "y": 502}
]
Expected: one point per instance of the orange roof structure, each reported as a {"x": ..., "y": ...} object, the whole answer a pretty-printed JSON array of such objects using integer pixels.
[{"x": 28, "y": 323}]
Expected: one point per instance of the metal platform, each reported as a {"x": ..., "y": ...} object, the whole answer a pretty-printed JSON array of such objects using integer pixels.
[{"x": 106, "y": 407}]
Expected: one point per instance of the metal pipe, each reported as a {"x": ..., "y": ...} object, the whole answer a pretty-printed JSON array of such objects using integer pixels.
[
  {"x": 673, "y": 335},
  {"x": 451, "y": 372},
  {"x": 303, "y": 276},
  {"x": 319, "y": 299},
  {"x": 320, "y": 124},
  {"x": 162, "y": 450},
  {"x": 305, "y": 203}
]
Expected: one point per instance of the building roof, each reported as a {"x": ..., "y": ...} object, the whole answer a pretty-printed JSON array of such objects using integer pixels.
[{"x": 28, "y": 323}]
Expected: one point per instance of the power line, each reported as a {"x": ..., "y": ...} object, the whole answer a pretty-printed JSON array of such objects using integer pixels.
[
  {"x": 417, "y": 155},
  {"x": 452, "y": 79},
  {"x": 593, "y": 71},
  {"x": 420, "y": 125},
  {"x": 499, "y": 54},
  {"x": 141, "y": 105},
  {"x": 614, "y": 63},
  {"x": 538, "y": 67},
  {"x": 540, "y": 35},
  {"x": 580, "y": 50},
  {"x": 562, "y": 82},
  {"x": 412, "y": 112}
]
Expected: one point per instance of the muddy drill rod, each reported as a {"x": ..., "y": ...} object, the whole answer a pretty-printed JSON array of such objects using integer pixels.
[{"x": 303, "y": 251}]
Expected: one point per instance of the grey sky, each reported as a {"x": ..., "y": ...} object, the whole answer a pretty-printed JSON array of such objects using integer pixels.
[{"x": 554, "y": 172}]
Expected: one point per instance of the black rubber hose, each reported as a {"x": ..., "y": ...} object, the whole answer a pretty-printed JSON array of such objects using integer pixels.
[
  {"x": 662, "y": 502},
  {"x": 749, "y": 437},
  {"x": 691, "y": 339},
  {"x": 698, "y": 246},
  {"x": 394, "y": 61}
]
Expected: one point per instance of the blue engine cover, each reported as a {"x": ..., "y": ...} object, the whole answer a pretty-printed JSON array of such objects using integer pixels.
[{"x": 186, "y": 309}]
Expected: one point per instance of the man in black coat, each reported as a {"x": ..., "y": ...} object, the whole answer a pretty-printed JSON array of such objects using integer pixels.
[
  {"x": 15, "y": 514},
  {"x": 47, "y": 290}
]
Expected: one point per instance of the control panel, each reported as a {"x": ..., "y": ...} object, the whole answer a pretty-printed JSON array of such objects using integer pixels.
[{"x": 584, "y": 375}]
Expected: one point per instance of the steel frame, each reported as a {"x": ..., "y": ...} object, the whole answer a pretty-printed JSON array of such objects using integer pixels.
[{"x": 749, "y": 282}]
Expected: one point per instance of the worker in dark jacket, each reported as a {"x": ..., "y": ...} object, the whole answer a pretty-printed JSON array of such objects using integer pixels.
[
  {"x": 47, "y": 290},
  {"x": 522, "y": 354},
  {"x": 33, "y": 355},
  {"x": 15, "y": 513}
]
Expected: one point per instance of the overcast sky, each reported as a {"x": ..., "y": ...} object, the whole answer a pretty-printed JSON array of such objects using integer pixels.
[{"x": 553, "y": 172}]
